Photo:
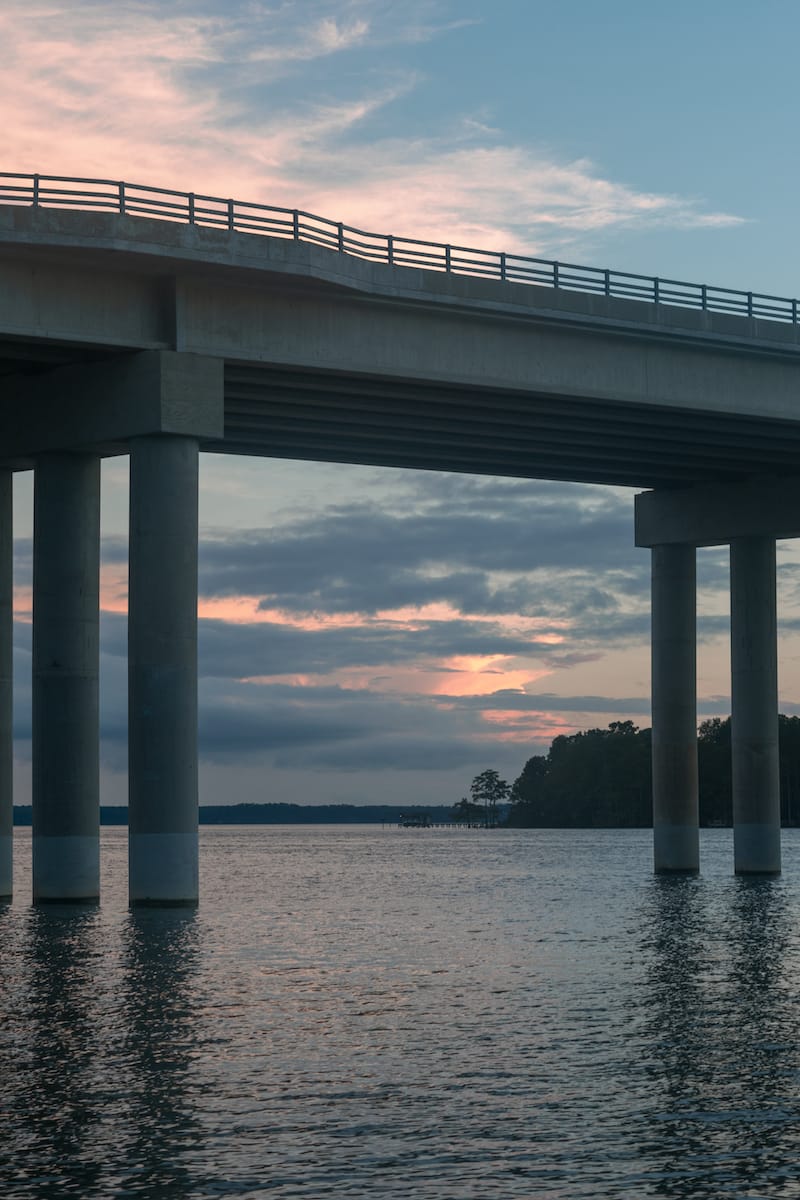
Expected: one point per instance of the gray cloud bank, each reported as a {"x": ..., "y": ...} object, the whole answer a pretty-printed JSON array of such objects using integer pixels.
[{"x": 535, "y": 574}]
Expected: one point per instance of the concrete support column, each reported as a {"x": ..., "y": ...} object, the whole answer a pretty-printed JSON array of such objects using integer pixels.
[
  {"x": 754, "y": 707},
  {"x": 6, "y": 653},
  {"x": 674, "y": 692},
  {"x": 66, "y": 561},
  {"x": 162, "y": 671}
]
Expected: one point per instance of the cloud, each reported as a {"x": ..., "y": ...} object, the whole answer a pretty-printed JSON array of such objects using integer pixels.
[
  {"x": 425, "y": 621},
  {"x": 349, "y": 729},
  {"x": 480, "y": 547},
  {"x": 420, "y": 612},
  {"x": 549, "y": 702},
  {"x": 275, "y": 650},
  {"x": 239, "y": 104},
  {"x": 332, "y": 728},
  {"x": 543, "y": 207},
  {"x": 418, "y": 589},
  {"x": 323, "y": 36}
]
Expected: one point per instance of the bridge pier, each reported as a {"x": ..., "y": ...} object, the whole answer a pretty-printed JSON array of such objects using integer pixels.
[
  {"x": 6, "y": 671},
  {"x": 162, "y": 671},
  {"x": 754, "y": 708},
  {"x": 65, "y": 734},
  {"x": 675, "y": 805},
  {"x": 747, "y": 516},
  {"x": 155, "y": 405}
]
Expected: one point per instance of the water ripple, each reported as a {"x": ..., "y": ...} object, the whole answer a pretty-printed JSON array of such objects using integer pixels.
[{"x": 381, "y": 1013}]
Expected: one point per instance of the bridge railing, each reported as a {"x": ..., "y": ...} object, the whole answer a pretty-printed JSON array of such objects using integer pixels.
[{"x": 110, "y": 195}]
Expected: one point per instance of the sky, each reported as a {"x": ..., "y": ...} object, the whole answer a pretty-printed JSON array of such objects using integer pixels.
[{"x": 377, "y": 636}]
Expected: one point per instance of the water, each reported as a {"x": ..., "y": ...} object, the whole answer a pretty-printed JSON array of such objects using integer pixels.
[{"x": 358, "y": 1012}]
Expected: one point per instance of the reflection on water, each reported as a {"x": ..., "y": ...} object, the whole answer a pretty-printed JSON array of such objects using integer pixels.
[
  {"x": 53, "y": 1106},
  {"x": 366, "y": 1013},
  {"x": 66, "y": 1107},
  {"x": 157, "y": 1052},
  {"x": 720, "y": 1040},
  {"x": 97, "y": 1045}
]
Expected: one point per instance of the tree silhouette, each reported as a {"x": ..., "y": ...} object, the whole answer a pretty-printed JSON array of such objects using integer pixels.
[
  {"x": 489, "y": 790},
  {"x": 602, "y": 777},
  {"x": 597, "y": 777},
  {"x": 467, "y": 813}
]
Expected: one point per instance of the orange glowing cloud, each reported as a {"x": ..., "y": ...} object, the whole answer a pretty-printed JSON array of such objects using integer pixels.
[
  {"x": 527, "y": 727},
  {"x": 22, "y": 604},
  {"x": 114, "y": 588},
  {"x": 480, "y": 675},
  {"x": 447, "y": 677}
]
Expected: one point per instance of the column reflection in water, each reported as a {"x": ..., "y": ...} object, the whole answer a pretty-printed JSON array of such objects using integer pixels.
[
  {"x": 51, "y": 1083},
  {"x": 764, "y": 1036},
  {"x": 159, "y": 1054},
  {"x": 675, "y": 1042},
  {"x": 98, "y": 1053},
  {"x": 719, "y": 1042}
]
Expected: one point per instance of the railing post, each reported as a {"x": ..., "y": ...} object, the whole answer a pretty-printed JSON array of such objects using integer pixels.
[
  {"x": 656, "y": 293},
  {"x": 607, "y": 281},
  {"x": 36, "y": 191},
  {"x": 231, "y": 216},
  {"x": 794, "y": 312},
  {"x": 390, "y": 250},
  {"x": 296, "y": 225},
  {"x": 340, "y": 228},
  {"x": 555, "y": 274},
  {"x": 447, "y": 258},
  {"x": 191, "y": 207},
  {"x": 502, "y": 266},
  {"x": 749, "y": 304},
  {"x": 121, "y": 189},
  {"x": 703, "y": 297}
]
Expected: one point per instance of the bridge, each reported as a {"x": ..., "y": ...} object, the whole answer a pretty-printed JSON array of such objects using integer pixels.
[{"x": 159, "y": 324}]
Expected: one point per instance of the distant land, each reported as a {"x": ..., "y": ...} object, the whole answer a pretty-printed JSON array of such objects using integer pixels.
[
  {"x": 597, "y": 778},
  {"x": 278, "y": 814}
]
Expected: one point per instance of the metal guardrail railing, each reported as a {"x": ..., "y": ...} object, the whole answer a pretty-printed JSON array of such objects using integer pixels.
[{"x": 133, "y": 199}]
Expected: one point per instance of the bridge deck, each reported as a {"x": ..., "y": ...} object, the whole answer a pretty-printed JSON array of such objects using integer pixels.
[{"x": 333, "y": 358}]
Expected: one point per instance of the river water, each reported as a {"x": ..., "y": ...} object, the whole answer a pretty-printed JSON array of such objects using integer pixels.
[{"x": 367, "y": 1012}]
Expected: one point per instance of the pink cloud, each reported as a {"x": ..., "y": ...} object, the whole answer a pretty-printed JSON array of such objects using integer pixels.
[
  {"x": 529, "y": 728},
  {"x": 140, "y": 94}
]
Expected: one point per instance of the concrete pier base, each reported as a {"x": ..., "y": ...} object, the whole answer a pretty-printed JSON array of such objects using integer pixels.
[
  {"x": 66, "y": 800},
  {"x": 754, "y": 708},
  {"x": 6, "y": 655},
  {"x": 6, "y": 866},
  {"x": 162, "y": 671},
  {"x": 674, "y": 672},
  {"x": 66, "y": 868}
]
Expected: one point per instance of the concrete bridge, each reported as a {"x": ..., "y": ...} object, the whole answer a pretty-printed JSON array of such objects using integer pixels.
[{"x": 157, "y": 324}]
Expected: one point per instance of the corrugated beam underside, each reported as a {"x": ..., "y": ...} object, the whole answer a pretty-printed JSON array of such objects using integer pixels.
[{"x": 324, "y": 417}]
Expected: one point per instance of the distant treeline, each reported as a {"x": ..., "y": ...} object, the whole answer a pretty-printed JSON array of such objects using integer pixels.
[
  {"x": 601, "y": 777},
  {"x": 277, "y": 814},
  {"x": 595, "y": 779}
]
